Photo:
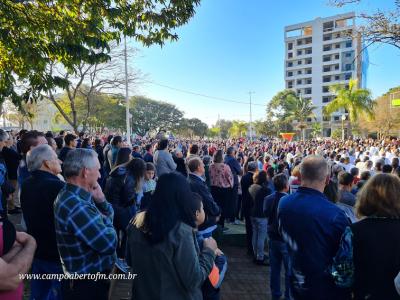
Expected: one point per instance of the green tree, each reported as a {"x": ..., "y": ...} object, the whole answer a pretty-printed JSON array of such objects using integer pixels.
[
  {"x": 287, "y": 107},
  {"x": 300, "y": 110},
  {"x": 354, "y": 100},
  {"x": 191, "y": 127},
  {"x": 151, "y": 115},
  {"x": 36, "y": 34},
  {"x": 106, "y": 110},
  {"x": 316, "y": 129},
  {"x": 386, "y": 119},
  {"x": 214, "y": 132},
  {"x": 336, "y": 134},
  {"x": 224, "y": 126},
  {"x": 238, "y": 129}
]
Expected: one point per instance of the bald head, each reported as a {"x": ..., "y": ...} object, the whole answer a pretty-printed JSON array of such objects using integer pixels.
[{"x": 314, "y": 169}]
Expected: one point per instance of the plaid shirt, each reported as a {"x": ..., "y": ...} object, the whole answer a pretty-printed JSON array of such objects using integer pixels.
[{"x": 85, "y": 234}]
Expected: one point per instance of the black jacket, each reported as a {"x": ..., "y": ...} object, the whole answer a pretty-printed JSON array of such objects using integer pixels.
[
  {"x": 120, "y": 192},
  {"x": 246, "y": 182},
  {"x": 257, "y": 210},
  {"x": 271, "y": 203},
  {"x": 376, "y": 258},
  {"x": 180, "y": 165},
  {"x": 38, "y": 193},
  {"x": 211, "y": 209},
  {"x": 11, "y": 158}
]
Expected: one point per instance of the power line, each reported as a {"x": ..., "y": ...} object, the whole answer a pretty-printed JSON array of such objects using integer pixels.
[{"x": 202, "y": 95}]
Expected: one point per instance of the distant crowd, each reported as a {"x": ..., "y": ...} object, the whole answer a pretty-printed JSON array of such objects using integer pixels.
[{"x": 327, "y": 211}]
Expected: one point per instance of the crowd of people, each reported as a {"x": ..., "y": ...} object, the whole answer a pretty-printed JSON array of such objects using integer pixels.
[{"x": 326, "y": 210}]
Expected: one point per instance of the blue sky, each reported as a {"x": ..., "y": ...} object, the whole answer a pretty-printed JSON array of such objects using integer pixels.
[{"x": 231, "y": 47}]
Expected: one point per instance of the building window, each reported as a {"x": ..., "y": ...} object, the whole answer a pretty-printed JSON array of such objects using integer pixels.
[
  {"x": 347, "y": 76},
  {"x": 326, "y": 58},
  {"x": 325, "y": 89},
  {"x": 308, "y": 40},
  {"x": 326, "y": 68},
  {"x": 289, "y": 74},
  {"x": 327, "y": 37},
  {"x": 299, "y": 52},
  {"x": 326, "y": 79},
  {"x": 348, "y": 44},
  {"x": 298, "y": 92},
  {"x": 327, "y": 47},
  {"x": 336, "y": 67},
  {"x": 298, "y": 81},
  {"x": 290, "y": 64},
  {"x": 348, "y": 54},
  {"x": 290, "y": 84},
  {"x": 299, "y": 72},
  {"x": 308, "y": 61},
  {"x": 308, "y": 71},
  {"x": 336, "y": 118},
  {"x": 309, "y": 81},
  {"x": 328, "y": 26},
  {"x": 290, "y": 46},
  {"x": 337, "y": 35},
  {"x": 290, "y": 55},
  {"x": 337, "y": 46},
  {"x": 308, "y": 51},
  {"x": 336, "y": 56},
  {"x": 307, "y": 91},
  {"x": 326, "y": 99},
  {"x": 299, "y": 42},
  {"x": 299, "y": 62},
  {"x": 337, "y": 77},
  {"x": 348, "y": 67}
]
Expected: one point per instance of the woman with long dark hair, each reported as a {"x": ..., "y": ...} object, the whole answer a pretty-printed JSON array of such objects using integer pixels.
[
  {"x": 162, "y": 247},
  {"x": 124, "y": 191}
]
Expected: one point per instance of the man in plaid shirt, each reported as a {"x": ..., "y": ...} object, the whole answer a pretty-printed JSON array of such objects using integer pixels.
[{"x": 85, "y": 234}]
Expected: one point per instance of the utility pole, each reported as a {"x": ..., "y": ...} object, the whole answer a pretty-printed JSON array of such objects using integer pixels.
[
  {"x": 128, "y": 115},
  {"x": 219, "y": 125},
  {"x": 251, "y": 118}
]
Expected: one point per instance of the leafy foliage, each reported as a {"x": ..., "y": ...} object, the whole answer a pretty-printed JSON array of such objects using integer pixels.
[
  {"x": 286, "y": 107},
  {"x": 151, "y": 115},
  {"x": 36, "y": 34},
  {"x": 356, "y": 101},
  {"x": 191, "y": 127},
  {"x": 386, "y": 119},
  {"x": 238, "y": 129}
]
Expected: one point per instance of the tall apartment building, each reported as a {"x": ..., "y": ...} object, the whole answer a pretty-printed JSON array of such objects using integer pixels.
[{"x": 320, "y": 53}]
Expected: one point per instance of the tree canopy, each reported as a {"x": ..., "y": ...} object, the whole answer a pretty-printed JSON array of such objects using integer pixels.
[
  {"x": 351, "y": 98},
  {"x": 36, "y": 34},
  {"x": 152, "y": 115}
]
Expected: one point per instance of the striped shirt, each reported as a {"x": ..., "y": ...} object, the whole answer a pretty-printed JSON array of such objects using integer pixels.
[{"x": 86, "y": 238}]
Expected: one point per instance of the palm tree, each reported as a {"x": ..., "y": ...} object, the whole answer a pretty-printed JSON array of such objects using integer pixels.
[
  {"x": 238, "y": 128},
  {"x": 300, "y": 109},
  {"x": 353, "y": 99}
]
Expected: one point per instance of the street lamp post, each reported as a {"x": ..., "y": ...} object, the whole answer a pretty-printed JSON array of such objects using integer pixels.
[{"x": 343, "y": 119}]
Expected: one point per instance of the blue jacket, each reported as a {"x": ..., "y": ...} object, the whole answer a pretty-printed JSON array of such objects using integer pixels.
[
  {"x": 312, "y": 227},
  {"x": 235, "y": 168}
]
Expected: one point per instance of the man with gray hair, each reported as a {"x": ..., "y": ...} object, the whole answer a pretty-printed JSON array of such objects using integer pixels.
[
  {"x": 38, "y": 193},
  {"x": 84, "y": 227},
  {"x": 312, "y": 227}
]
